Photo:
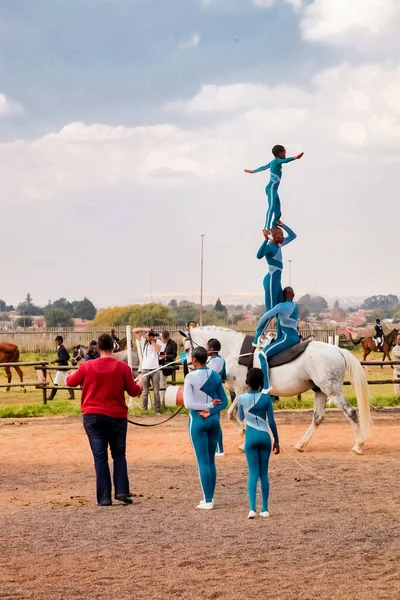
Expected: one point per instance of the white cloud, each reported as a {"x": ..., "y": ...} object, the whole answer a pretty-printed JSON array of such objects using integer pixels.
[
  {"x": 349, "y": 109},
  {"x": 339, "y": 21},
  {"x": 7, "y": 107},
  {"x": 191, "y": 42},
  {"x": 269, "y": 3}
]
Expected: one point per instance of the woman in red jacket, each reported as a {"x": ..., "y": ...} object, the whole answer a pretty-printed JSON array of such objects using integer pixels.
[{"x": 105, "y": 414}]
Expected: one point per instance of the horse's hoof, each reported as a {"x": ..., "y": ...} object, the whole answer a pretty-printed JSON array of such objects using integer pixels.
[
  {"x": 357, "y": 450},
  {"x": 299, "y": 447}
]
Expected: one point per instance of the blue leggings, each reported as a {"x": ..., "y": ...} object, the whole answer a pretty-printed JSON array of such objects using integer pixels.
[
  {"x": 289, "y": 338},
  {"x": 274, "y": 205},
  {"x": 258, "y": 449},
  {"x": 204, "y": 436},
  {"x": 273, "y": 289}
]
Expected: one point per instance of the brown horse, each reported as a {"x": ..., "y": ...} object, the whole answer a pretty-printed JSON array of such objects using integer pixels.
[
  {"x": 369, "y": 345},
  {"x": 10, "y": 353}
]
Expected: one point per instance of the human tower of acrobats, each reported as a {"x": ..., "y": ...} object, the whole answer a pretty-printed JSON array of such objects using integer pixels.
[{"x": 278, "y": 303}]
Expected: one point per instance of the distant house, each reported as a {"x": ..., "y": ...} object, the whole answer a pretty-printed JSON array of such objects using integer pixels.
[{"x": 79, "y": 324}]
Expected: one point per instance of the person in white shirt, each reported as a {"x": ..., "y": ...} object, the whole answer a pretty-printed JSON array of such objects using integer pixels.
[
  {"x": 151, "y": 347},
  {"x": 396, "y": 368}
]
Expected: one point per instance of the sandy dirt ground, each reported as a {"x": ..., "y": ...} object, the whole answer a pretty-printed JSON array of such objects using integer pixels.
[{"x": 323, "y": 540}]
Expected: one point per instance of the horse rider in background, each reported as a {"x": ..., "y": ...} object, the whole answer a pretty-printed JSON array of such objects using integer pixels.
[{"x": 379, "y": 335}]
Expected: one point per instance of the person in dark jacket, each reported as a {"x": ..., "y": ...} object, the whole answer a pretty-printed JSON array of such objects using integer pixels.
[
  {"x": 62, "y": 361},
  {"x": 167, "y": 355},
  {"x": 379, "y": 335},
  {"x": 93, "y": 351}
]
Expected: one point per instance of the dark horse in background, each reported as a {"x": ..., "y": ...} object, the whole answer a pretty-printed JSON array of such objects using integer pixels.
[
  {"x": 10, "y": 353},
  {"x": 368, "y": 344}
]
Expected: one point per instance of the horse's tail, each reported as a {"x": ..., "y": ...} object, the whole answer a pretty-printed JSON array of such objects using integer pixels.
[
  {"x": 360, "y": 384},
  {"x": 356, "y": 342}
]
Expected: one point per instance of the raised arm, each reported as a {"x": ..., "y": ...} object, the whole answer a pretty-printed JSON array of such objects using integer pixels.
[
  {"x": 290, "y": 235},
  {"x": 265, "y": 248},
  {"x": 221, "y": 395},
  {"x": 264, "y": 168},
  {"x": 281, "y": 161},
  {"x": 189, "y": 398},
  {"x": 271, "y": 422}
]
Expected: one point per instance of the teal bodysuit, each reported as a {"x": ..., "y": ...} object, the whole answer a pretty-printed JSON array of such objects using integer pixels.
[
  {"x": 254, "y": 407},
  {"x": 274, "y": 204}
]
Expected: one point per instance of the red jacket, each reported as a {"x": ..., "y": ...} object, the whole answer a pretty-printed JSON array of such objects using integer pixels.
[{"x": 104, "y": 382}]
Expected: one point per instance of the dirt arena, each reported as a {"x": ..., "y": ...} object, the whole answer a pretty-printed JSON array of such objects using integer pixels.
[{"x": 322, "y": 541}]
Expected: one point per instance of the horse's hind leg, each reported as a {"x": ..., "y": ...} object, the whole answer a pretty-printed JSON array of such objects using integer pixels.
[
  {"x": 21, "y": 377},
  {"x": 318, "y": 417},
  {"x": 8, "y": 373},
  {"x": 351, "y": 415}
]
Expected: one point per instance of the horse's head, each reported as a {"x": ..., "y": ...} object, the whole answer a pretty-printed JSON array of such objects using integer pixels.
[
  {"x": 78, "y": 352},
  {"x": 188, "y": 346}
]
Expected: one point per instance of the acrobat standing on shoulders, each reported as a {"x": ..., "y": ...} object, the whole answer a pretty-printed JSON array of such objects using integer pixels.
[
  {"x": 274, "y": 212},
  {"x": 270, "y": 249}
]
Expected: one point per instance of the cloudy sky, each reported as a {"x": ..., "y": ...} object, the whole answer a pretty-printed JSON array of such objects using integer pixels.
[{"x": 125, "y": 126}]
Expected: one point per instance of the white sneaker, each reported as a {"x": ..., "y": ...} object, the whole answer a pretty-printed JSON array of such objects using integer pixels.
[
  {"x": 206, "y": 505},
  {"x": 264, "y": 514},
  {"x": 252, "y": 514},
  {"x": 220, "y": 454}
]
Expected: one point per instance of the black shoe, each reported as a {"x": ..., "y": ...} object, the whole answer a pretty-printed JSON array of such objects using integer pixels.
[
  {"x": 124, "y": 499},
  {"x": 53, "y": 393},
  {"x": 72, "y": 397},
  {"x": 104, "y": 503}
]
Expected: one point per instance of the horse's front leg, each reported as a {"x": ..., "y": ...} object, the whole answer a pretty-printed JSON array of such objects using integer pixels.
[
  {"x": 8, "y": 373},
  {"x": 318, "y": 417}
]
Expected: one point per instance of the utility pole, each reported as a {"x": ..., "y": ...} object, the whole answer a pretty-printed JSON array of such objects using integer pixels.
[
  {"x": 201, "y": 279},
  {"x": 151, "y": 287}
]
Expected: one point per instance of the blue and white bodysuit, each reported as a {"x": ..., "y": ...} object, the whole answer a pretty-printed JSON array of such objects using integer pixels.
[
  {"x": 217, "y": 363},
  {"x": 254, "y": 407},
  {"x": 274, "y": 204},
  {"x": 288, "y": 314},
  {"x": 273, "y": 279},
  {"x": 202, "y": 387}
]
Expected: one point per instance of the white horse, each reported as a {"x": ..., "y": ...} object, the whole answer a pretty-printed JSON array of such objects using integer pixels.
[{"x": 321, "y": 367}]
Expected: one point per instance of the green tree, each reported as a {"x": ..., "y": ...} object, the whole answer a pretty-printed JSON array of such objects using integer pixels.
[
  {"x": 84, "y": 309},
  {"x": 151, "y": 314},
  {"x": 304, "y": 311},
  {"x": 23, "y": 322},
  {"x": 58, "y": 317},
  {"x": 173, "y": 303},
  {"x": 60, "y": 304},
  {"x": 28, "y": 308},
  {"x": 219, "y": 307},
  {"x": 214, "y": 317},
  {"x": 185, "y": 313}
]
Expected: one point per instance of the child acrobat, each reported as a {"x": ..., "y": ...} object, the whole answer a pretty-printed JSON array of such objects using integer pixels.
[{"x": 274, "y": 204}]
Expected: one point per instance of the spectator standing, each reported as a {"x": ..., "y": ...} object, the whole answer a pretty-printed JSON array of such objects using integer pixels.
[
  {"x": 93, "y": 351},
  {"x": 168, "y": 354},
  {"x": 62, "y": 361},
  {"x": 396, "y": 368},
  {"x": 151, "y": 347},
  {"x": 105, "y": 414}
]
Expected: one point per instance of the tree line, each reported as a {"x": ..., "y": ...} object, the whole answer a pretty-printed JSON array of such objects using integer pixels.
[{"x": 59, "y": 313}]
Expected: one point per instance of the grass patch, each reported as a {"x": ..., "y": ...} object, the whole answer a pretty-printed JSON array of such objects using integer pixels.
[{"x": 39, "y": 410}]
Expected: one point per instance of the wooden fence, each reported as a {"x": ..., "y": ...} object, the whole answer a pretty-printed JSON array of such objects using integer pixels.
[{"x": 31, "y": 340}]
